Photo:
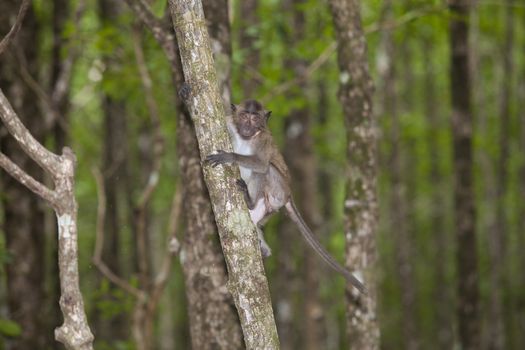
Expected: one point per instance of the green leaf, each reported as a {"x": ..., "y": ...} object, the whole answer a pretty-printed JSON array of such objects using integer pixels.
[{"x": 10, "y": 328}]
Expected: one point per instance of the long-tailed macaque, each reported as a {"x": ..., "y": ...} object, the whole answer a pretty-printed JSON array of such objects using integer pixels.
[{"x": 265, "y": 179}]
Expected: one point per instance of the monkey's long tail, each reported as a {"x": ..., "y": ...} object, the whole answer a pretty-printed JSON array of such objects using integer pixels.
[{"x": 316, "y": 245}]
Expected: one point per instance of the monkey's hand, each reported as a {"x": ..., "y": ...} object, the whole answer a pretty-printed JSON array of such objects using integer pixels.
[{"x": 220, "y": 158}]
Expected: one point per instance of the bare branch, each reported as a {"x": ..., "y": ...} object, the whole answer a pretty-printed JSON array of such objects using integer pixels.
[
  {"x": 157, "y": 26},
  {"x": 28, "y": 181},
  {"x": 43, "y": 157},
  {"x": 173, "y": 247},
  {"x": 16, "y": 27},
  {"x": 99, "y": 243},
  {"x": 153, "y": 109}
]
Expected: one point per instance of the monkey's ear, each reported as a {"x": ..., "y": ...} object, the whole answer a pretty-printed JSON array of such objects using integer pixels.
[
  {"x": 268, "y": 114},
  {"x": 234, "y": 107}
]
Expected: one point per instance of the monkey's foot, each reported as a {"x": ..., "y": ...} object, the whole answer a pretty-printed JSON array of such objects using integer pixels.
[
  {"x": 241, "y": 185},
  {"x": 185, "y": 91},
  {"x": 265, "y": 249}
]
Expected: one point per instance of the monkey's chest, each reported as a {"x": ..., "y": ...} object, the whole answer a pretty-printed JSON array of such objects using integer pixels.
[{"x": 244, "y": 148}]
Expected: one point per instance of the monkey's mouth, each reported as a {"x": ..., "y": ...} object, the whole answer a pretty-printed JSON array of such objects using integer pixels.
[{"x": 248, "y": 131}]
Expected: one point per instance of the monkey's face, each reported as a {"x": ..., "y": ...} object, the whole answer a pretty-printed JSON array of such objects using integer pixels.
[{"x": 249, "y": 124}]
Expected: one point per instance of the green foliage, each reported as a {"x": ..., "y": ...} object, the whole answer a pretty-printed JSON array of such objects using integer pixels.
[{"x": 9, "y": 328}]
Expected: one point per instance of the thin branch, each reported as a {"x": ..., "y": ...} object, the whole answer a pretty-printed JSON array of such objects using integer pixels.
[
  {"x": 153, "y": 110},
  {"x": 99, "y": 243},
  {"x": 157, "y": 26},
  {"x": 16, "y": 27},
  {"x": 63, "y": 81},
  {"x": 44, "y": 158},
  {"x": 27, "y": 180},
  {"x": 173, "y": 247}
]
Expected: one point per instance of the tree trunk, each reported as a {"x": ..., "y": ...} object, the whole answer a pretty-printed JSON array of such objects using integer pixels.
[
  {"x": 23, "y": 215},
  {"x": 203, "y": 263},
  {"x": 498, "y": 236},
  {"x": 398, "y": 196},
  {"x": 116, "y": 178},
  {"x": 443, "y": 333},
  {"x": 247, "y": 282},
  {"x": 465, "y": 214},
  {"x": 249, "y": 21},
  {"x": 355, "y": 95},
  {"x": 299, "y": 155}
]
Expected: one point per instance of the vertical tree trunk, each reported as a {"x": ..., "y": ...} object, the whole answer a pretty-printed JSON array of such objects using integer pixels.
[
  {"x": 213, "y": 320},
  {"x": 116, "y": 178},
  {"x": 23, "y": 215},
  {"x": 249, "y": 20},
  {"x": 247, "y": 282},
  {"x": 299, "y": 155},
  {"x": 355, "y": 94},
  {"x": 498, "y": 236},
  {"x": 61, "y": 13},
  {"x": 214, "y": 323},
  {"x": 442, "y": 293},
  {"x": 465, "y": 214},
  {"x": 398, "y": 196}
]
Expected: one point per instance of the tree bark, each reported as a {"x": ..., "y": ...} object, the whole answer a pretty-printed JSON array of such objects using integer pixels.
[
  {"x": 299, "y": 155},
  {"x": 442, "y": 293},
  {"x": 465, "y": 213},
  {"x": 355, "y": 95},
  {"x": 399, "y": 215},
  {"x": 498, "y": 236},
  {"x": 247, "y": 282},
  {"x": 213, "y": 320},
  {"x": 249, "y": 23},
  {"x": 74, "y": 332},
  {"x": 116, "y": 179},
  {"x": 23, "y": 216}
]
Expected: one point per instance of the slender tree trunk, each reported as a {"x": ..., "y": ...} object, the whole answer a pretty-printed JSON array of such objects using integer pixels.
[
  {"x": 442, "y": 293},
  {"x": 498, "y": 236},
  {"x": 249, "y": 21},
  {"x": 61, "y": 13},
  {"x": 214, "y": 323},
  {"x": 355, "y": 94},
  {"x": 299, "y": 155},
  {"x": 247, "y": 282},
  {"x": 203, "y": 265},
  {"x": 23, "y": 215},
  {"x": 398, "y": 197},
  {"x": 465, "y": 213},
  {"x": 116, "y": 177}
]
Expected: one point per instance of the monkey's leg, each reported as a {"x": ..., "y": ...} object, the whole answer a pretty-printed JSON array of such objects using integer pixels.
[
  {"x": 266, "y": 251},
  {"x": 244, "y": 189}
]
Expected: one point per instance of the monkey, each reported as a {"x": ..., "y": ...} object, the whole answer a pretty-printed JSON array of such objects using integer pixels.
[{"x": 265, "y": 179}]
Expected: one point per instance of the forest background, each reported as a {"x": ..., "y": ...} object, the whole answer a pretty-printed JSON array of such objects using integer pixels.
[{"x": 89, "y": 75}]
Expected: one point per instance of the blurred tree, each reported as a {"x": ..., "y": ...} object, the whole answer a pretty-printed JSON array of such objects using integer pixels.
[
  {"x": 118, "y": 191},
  {"x": 443, "y": 329},
  {"x": 464, "y": 204},
  {"x": 300, "y": 157},
  {"x": 355, "y": 95},
  {"x": 399, "y": 215},
  {"x": 23, "y": 215},
  {"x": 249, "y": 35},
  {"x": 498, "y": 236}
]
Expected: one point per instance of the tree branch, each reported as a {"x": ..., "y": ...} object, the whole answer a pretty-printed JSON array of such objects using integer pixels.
[
  {"x": 16, "y": 27},
  {"x": 44, "y": 158},
  {"x": 99, "y": 243},
  {"x": 27, "y": 180}
]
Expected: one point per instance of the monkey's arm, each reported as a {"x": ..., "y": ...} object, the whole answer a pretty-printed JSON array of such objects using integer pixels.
[{"x": 252, "y": 162}]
